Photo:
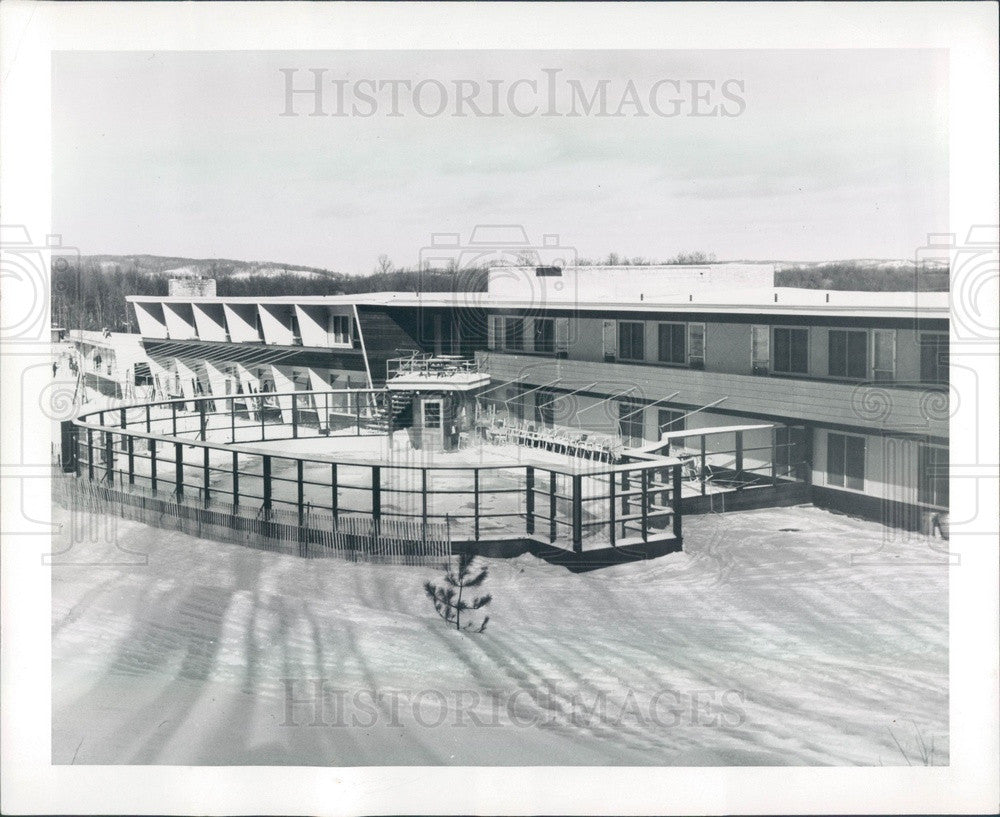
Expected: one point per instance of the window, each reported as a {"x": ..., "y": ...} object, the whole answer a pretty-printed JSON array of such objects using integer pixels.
[
  {"x": 432, "y": 414},
  {"x": 884, "y": 354},
  {"x": 669, "y": 420},
  {"x": 545, "y": 409},
  {"x": 513, "y": 330},
  {"x": 494, "y": 332},
  {"x": 932, "y": 475},
  {"x": 848, "y": 354},
  {"x": 609, "y": 340},
  {"x": 696, "y": 345},
  {"x": 630, "y": 422},
  {"x": 845, "y": 461},
  {"x": 934, "y": 358},
  {"x": 340, "y": 329},
  {"x": 791, "y": 350},
  {"x": 672, "y": 346},
  {"x": 760, "y": 349},
  {"x": 562, "y": 337},
  {"x": 631, "y": 340},
  {"x": 545, "y": 335},
  {"x": 789, "y": 450}
]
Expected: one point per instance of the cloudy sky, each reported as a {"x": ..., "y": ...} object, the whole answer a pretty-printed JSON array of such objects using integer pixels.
[{"x": 809, "y": 155}]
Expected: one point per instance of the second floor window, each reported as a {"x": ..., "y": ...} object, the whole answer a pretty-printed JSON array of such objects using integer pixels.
[
  {"x": 631, "y": 340},
  {"x": 933, "y": 358},
  {"x": 791, "y": 350},
  {"x": 672, "y": 343},
  {"x": 513, "y": 333},
  {"x": 545, "y": 335},
  {"x": 340, "y": 329},
  {"x": 848, "y": 354}
]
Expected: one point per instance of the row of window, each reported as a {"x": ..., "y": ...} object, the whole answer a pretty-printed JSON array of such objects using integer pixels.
[{"x": 857, "y": 354}]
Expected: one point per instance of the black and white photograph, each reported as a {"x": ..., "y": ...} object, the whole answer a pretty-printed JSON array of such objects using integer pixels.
[{"x": 486, "y": 409}]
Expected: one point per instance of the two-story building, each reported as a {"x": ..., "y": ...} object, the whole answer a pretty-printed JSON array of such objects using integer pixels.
[{"x": 853, "y": 383}]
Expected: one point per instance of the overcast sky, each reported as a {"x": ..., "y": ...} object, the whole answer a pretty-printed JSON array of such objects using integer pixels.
[{"x": 837, "y": 154}]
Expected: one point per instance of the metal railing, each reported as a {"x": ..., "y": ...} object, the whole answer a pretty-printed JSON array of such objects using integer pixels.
[
  {"x": 204, "y": 451},
  {"x": 420, "y": 363}
]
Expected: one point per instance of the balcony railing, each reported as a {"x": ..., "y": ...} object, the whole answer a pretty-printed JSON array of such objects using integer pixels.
[{"x": 427, "y": 365}]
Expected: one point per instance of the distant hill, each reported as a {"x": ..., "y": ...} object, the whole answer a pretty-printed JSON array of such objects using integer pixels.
[{"x": 91, "y": 290}]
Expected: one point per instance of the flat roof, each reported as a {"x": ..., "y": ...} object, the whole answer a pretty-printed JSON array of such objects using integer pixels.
[{"x": 779, "y": 300}]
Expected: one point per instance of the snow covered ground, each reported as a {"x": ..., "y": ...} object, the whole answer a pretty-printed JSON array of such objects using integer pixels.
[{"x": 780, "y": 636}]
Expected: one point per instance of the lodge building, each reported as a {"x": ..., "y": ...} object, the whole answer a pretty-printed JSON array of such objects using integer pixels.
[{"x": 854, "y": 385}]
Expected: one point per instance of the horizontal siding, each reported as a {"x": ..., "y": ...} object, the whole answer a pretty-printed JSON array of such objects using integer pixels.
[{"x": 875, "y": 407}]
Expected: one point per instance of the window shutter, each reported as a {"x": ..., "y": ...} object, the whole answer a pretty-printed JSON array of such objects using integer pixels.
[
  {"x": 610, "y": 334},
  {"x": 562, "y": 334},
  {"x": 491, "y": 332},
  {"x": 529, "y": 334}
]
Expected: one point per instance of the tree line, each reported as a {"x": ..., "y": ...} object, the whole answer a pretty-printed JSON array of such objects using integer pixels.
[{"x": 89, "y": 292}]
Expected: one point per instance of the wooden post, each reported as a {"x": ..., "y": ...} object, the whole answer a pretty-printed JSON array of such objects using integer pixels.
[
  {"x": 612, "y": 509},
  {"x": 232, "y": 419},
  {"x": 475, "y": 503},
  {"x": 236, "y": 480},
  {"x": 295, "y": 417},
  {"x": 205, "y": 475},
  {"x": 529, "y": 499},
  {"x": 357, "y": 410},
  {"x": 121, "y": 415},
  {"x": 202, "y": 420},
  {"x": 676, "y": 503},
  {"x": 173, "y": 417},
  {"x": 148, "y": 420},
  {"x": 266, "y": 473},
  {"x": 131, "y": 460},
  {"x": 644, "y": 505},
  {"x": 178, "y": 469},
  {"x": 739, "y": 460},
  {"x": 333, "y": 489},
  {"x": 260, "y": 413},
  {"x": 577, "y": 513},
  {"x": 704, "y": 467},
  {"x": 552, "y": 506},
  {"x": 152, "y": 465}
]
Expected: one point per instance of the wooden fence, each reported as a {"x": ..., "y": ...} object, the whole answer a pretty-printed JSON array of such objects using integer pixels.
[{"x": 353, "y": 538}]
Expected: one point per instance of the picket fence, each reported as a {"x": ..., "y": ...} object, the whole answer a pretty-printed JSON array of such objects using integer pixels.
[{"x": 353, "y": 538}]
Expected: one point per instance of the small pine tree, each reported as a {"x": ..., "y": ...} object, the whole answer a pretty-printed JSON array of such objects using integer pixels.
[{"x": 448, "y": 601}]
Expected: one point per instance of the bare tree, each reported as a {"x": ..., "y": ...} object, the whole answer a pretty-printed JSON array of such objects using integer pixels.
[{"x": 384, "y": 265}]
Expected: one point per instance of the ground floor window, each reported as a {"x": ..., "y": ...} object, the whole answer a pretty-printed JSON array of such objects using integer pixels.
[
  {"x": 545, "y": 409},
  {"x": 932, "y": 475},
  {"x": 789, "y": 450},
  {"x": 630, "y": 422},
  {"x": 670, "y": 420},
  {"x": 845, "y": 461}
]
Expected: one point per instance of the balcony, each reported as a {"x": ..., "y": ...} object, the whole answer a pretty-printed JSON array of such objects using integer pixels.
[{"x": 875, "y": 406}]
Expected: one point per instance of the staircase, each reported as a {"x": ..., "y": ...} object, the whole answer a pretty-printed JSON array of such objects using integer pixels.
[{"x": 398, "y": 413}]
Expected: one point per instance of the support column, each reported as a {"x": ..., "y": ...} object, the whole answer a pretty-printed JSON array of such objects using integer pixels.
[
  {"x": 552, "y": 506},
  {"x": 704, "y": 468},
  {"x": 179, "y": 470},
  {"x": 475, "y": 503},
  {"x": 612, "y": 507},
  {"x": 236, "y": 480},
  {"x": 577, "y": 513},
  {"x": 333, "y": 489},
  {"x": 529, "y": 499},
  {"x": 152, "y": 465},
  {"x": 644, "y": 505},
  {"x": 677, "y": 502},
  {"x": 377, "y": 495},
  {"x": 131, "y": 460},
  {"x": 739, "y": 460},
  {"x": 266, "y": 474},
  {"x": 206, "y": 475}
]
